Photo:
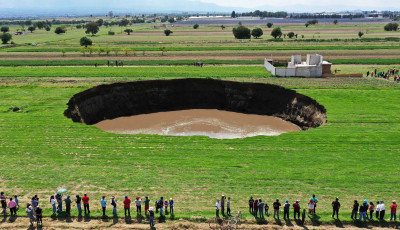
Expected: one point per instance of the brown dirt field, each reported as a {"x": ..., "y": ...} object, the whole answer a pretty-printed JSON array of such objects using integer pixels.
[{"x": 120, "y": 223}]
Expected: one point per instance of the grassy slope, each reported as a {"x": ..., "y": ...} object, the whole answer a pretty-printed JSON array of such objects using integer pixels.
[{"x": 354, "y": 156}]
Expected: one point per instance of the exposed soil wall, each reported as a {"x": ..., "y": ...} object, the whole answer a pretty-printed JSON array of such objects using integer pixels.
[{"x": 141, "y": 97}]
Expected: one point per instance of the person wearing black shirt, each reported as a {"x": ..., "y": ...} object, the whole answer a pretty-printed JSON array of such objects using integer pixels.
[
  {"x": 336, "y": 207},
  {"x": 355, "y": 210},
  {"x": 39, "y": 213},
  {"x": 251, "y": 203},
  {"x": 151, "y": 216},
  {"x": 276, "y": 206},
  {"x": 78, "y": 205}
]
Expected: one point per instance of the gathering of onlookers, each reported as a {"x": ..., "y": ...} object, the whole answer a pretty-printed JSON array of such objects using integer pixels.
[{"x": 391, "y": 73}]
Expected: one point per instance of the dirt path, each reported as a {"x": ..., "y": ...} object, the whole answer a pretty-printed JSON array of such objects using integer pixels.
[{"x": 121, "y": 223}]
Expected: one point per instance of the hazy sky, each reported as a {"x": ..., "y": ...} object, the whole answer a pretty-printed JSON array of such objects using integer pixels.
[{"x": 213, "y": 5}]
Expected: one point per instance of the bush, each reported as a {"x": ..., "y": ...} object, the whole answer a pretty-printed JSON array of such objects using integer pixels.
[
  {"x": 241, "y": 32},
  {"x": 360, "y": 34},
  {"x": 111, "y": 32},
  {"x": 276, "y": 33},
  {"x": 47, "y": 28},
  {"x": 168, "y": 32},
  {"x": 269, "y": 24},
  {"x": 257, "y": 32},
  {"x": 391, "y": 27},
  {"x": 31, "y": 28},
  {"x": 5, "y": 29},
  {"x": 307, "y": 24},
  {"x": 85, "y": 42},
  {"x": 196, "y": 26},
  {"x": 290, "y": 34},
  {"x": 5, "y": 37},
  {"x": 60, "y": 30},
  {"x": 128, "y": 31}
]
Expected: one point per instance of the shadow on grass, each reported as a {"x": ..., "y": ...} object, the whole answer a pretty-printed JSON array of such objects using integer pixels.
[
  {"x": 261, "y": 221},
  {"x": 12, "y": 219},
  {"x": 128, "y": 220},
  {"x": 139, "y": 218},
  {"x": 315, "y": 220},
  {"x": 338, "y": 223},
  {"x": 161, "y": 219}
]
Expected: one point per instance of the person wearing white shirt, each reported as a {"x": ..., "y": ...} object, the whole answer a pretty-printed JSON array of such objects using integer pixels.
[
  {"x": 377, "y": 210},
  {"x": 382, "y": 212},
  {"x": 217, "y": 208},
  {"x": 53, "y": 204}
]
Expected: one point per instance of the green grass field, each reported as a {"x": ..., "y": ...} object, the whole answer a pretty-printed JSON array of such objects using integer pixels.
[{"x": 354, "y": 156}]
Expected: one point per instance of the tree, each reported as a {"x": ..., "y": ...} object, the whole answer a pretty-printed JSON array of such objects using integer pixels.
[
  {"x": 124, "y": 22},
  {"x": 31, "y": 28},
  {"x": 233, "y": 15},
  {"x": 128, "y": 31},
  {"x": 79, "y": 26},
  {"x": 100, "y": 22},
  {"x": 307, "y": 24},
  {"x": 28, "y": 22},
  {"x": 391, "y": 27},
  {"x": 290, "y": 35},
  {"x": 48, "y": 28},
  {"x": 171, "y": 20},
  {"x": 335, "y": 22},
  {"x": 269, "y": 24},
  {"x": 195, "y": 26},
  {"x": 5, "y": 29},
  {"x": 360, "y": 34},
  {"x": 63, "y": 52},
  {"x": 257, "y": 32},
  {"x": 222, "y": 27},
  {"x": 86, "y": 42},
  {"x": 167, "y": 32},
  {"x": 5, "y": 37},
  {"x": 163, "y": 49},
  {"x": 241, "y": 32},
  {"x": 60, "y": 30},
  {"x": 92, "y": 28},
  {"x": 276, "y": 32}
]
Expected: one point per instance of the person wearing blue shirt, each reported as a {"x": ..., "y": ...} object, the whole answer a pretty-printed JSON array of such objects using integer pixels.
[
  {"x": 171, "y": 206},
  {"x": 315, "y": 202},
  {"x": 103, "y": 205}
]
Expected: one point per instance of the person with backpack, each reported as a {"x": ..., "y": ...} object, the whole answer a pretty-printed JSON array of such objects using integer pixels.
[
  {"x": 146, "y": 204},
  {"x": 151, "y": 216},
  {"x": 127, "y": 205},
  {"x": 103, "y": 203},
  {"x": 138, "y": 203},
  {"x": 251, "y": 203},
  {"x": 355, "y": 210},
  {"x": 114, "y": 205},
  {"x": 276, "y": 206},
  {"x": 286, "y": 209},
  {"x": 171, "y": 206},
  {"x": 296, "y": 210},
  {"x": 336, "y": 207},
  {"x": 85, "y": 200},
  {"x": 78, "y": 202}
]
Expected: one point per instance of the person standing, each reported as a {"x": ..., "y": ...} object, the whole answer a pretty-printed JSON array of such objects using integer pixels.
[
  {"x": 296, "y": 210},
  {"x": 16, "y": 201},
  {"x": 336, "y": 207},
  {"x": 68, "y": 205},
  {"x": 377, "y": 210},
  {"x": 255, "y": 207},
  {"x": 103, "y": 203},
  {"x": 161, "y": 205},
  {"x": 266, "y": 209},
  {"x": 59, "y": 202},
  {"x": 228, "y": 206},
  {"x": 311, "y": 206},
  {"x": 276, "y": 206},
  {"x": 382, "y": 212},
  {"x": 29, "y": 211},
  {"x": 371, "y": 210},
  {"x": 166, "y": 207},
  {"x": 78, "y": 202},
  {"x": 223, "y": 205},
  {"x": 315, "y": 202},
  {"x": 3, "y": 201},
  {"x": 146, "y": 205},
  {"x": 217, "y": 208},
  {"x": 251, "y": 203},
  {"x": 151, "y": 216},
  {"x": 13, "y": 207},
  {"x": 261, "y": 208},
  {"x": 39, "y": 215},
  {"x": 363, "y": 211},
  {"x": 286, "y": 209},
  {"x": 34, "y": 203},
  {"x": 108, "y": 63},
  {"x": 138, "y": 203},
  {"x": 85, "y": 200},
  {"x": 127, "y": 205},
  {"x": 303, "y": 217},
  {"x": 53, "y": 204},
  {"x": 114, "y": 205},
  {"x": 171, "y": 206},
  {"x": 355, "y": 210},
  {"x": 393, "y": 210}
]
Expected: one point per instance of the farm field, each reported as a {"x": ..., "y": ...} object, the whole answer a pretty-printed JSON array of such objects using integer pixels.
[{"x": 354, "y": 156}]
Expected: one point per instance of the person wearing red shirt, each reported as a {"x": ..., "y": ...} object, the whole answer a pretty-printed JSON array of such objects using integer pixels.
[
  {"x": 127, "y": 205},
  {"x": 85, "y": 200},
  {"x": 393, "y": 208},
  {"x": 296, "y": 209}
]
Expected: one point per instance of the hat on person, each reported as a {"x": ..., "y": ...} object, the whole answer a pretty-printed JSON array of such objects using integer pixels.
[
  {"x": 287, "y": 200},
  {"x": 394, "y": 201},
  {"x": 297, "y": 201},
  {"x": 137, "y": 197},
  {"x": 151, "y": 208},
  {"x": 170, "y": 198},
  {"x": 126, "y": 196}
]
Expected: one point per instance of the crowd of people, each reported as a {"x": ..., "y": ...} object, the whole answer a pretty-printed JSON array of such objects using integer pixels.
[
  {"x": 35, "y": 212},
  {"x": 111, "y": 63},
  {"x": 391, "y": 73}
]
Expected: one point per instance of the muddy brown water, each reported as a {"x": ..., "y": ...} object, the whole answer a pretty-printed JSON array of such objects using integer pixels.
[{"x": 199, "y": 122}]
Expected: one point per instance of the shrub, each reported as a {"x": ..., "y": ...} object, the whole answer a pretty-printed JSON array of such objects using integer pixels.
[
  {"x": 269, "y": 24},
  {"x": 5, "y": 37},
  {"x": 276, "y": 33},
  {"x": 290, "y": 34},
  {"x": 391, "y": 27},
  {"x": 360, "y": 34},
  {"x": 111, "y": 32},
  {"x": 60, "y": 30},
  {"x": 195, "y": 26},
  {"x": 241, "y": 32},
  {"x": 85, "y": 42},
  {"x": 5, "y": 29},
  {"x": 31, "y": 28},
  {"x": 128, "y": 31},
  {"x": 168, "y": 32},
  {"x": 257, "y": 32}
]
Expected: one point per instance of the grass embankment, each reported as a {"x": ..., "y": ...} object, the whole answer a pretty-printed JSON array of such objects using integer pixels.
[{"x": 354, "y": 156}]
